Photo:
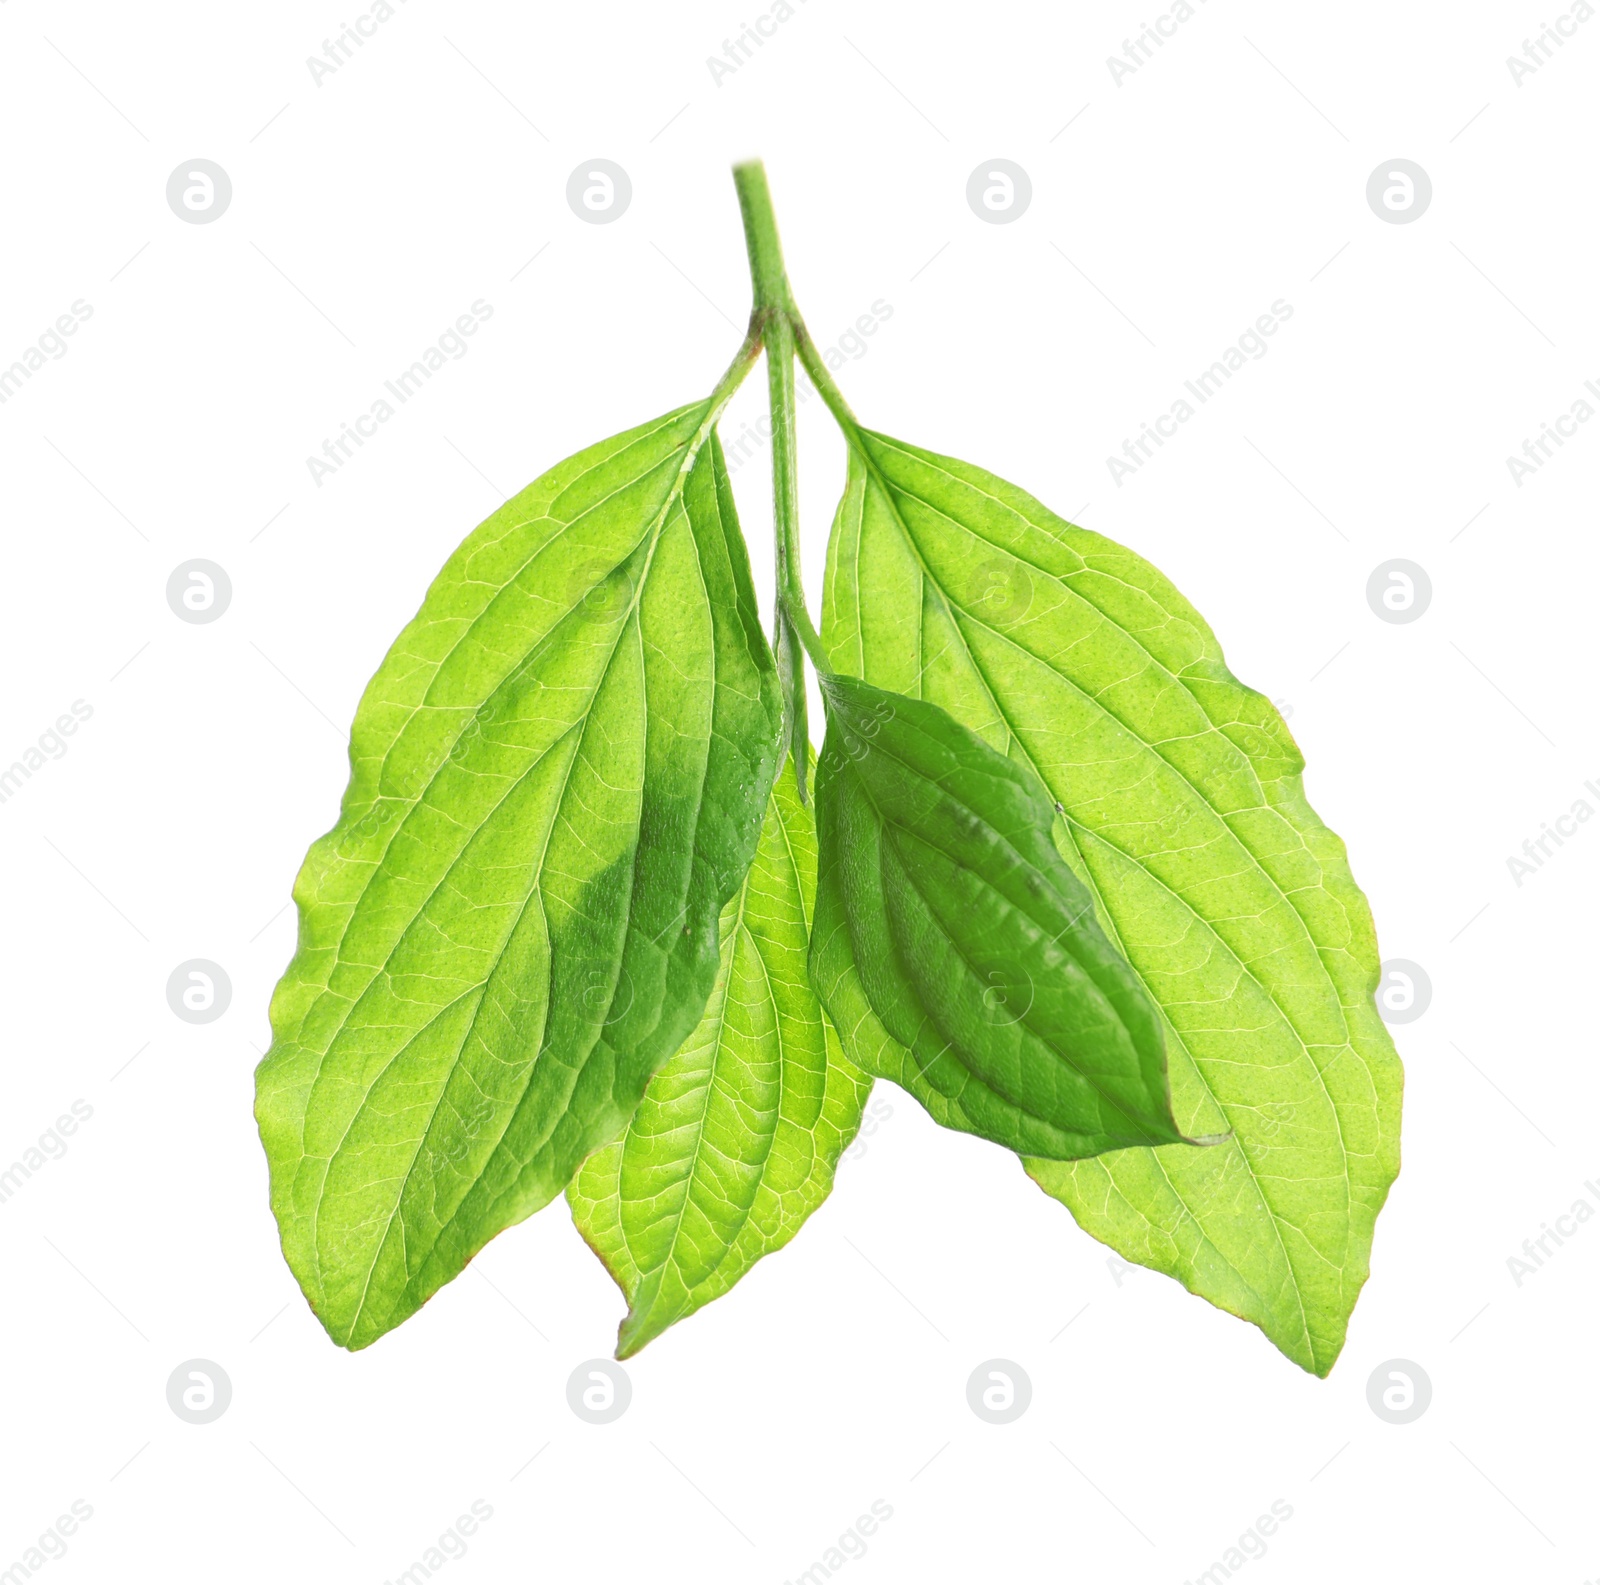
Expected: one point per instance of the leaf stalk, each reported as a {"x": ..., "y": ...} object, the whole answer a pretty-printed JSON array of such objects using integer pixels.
[{"x": 775, "y": 318}]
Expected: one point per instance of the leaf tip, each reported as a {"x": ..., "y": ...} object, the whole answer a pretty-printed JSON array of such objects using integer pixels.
[{"x": 637, "y": 1329}]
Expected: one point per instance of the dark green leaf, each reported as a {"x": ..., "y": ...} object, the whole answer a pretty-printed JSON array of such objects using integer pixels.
[{"x": 954, "y": 950}]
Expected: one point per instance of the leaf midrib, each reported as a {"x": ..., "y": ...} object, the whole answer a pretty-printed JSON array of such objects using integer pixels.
[
  {"x": 704, "y": 1112},
  {"x": 741, "y": 933},
  {"x": 1274, "y": 1217},
  {"x": 976, "y": 1078},
  {"x": 1256, "y": 1184}
]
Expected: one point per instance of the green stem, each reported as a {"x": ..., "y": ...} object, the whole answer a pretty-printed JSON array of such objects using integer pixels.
[
  {"x": 819, "y": 375},
  {"x": 767, "y": 279},
  {"x": 733, "y": 375},
  {"x": 785, "y": 492},
  {"x": 774, "y": 312}
]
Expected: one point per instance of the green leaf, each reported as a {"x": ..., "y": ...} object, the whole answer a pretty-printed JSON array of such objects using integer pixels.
[
  {"x": 954, "y": 950},
  {"x": 557, "y": 781},
  {"x": 738, "y": 1136},
  {"x": 1184, "y": 814}
]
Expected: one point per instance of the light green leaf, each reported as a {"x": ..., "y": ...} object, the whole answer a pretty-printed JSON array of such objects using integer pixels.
[
  {"x": 557, "y": 781},
  {"x": 954, "y": 950},
  {"x": 1183, "y": 811},
  {"x": 738, "y": 1136}
]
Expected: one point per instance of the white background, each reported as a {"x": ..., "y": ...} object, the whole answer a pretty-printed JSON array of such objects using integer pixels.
[{"x": 367, "y": 213}]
